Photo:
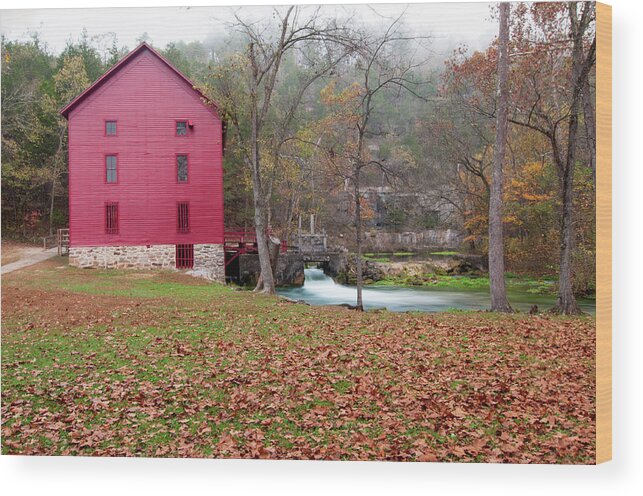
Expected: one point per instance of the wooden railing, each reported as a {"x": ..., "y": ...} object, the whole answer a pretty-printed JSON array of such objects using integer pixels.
[
  {"x": 240, "y": 237},
  {"x": 63, "y": 241},
  {"x": 238, "y": 242},
  {"x": 242, "y": 241}
]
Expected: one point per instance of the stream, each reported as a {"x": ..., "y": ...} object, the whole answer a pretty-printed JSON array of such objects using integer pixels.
[{"x": 320, "y": 289}]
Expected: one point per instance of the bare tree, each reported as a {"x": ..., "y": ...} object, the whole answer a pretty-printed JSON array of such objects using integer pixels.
[
  {"x": 581, "y": 66},
  {"x": 249, "y": 108},
  {"x": 499, "y": 302},
  {"x": 378, "y": 68}
]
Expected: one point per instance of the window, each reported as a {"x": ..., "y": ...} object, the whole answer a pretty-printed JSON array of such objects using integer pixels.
[
  {"x": 110, "y": 168},
  {"x": 181, "y": 128},
  {"x": 184, "y": 256},
  {"x": 110, "y": 128},
  {"x": 182, "y": 168},
  {"x": 111, "y": 218},
  {"x": 183, "y": 221}
]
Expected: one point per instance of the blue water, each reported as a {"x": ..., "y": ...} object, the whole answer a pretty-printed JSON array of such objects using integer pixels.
[{"x": 319, "y": 289}]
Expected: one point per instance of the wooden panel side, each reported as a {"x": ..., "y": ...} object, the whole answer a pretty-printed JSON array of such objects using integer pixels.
[
  {"x": 603, "y": 233},
  {"x": 146, "y": 99}
]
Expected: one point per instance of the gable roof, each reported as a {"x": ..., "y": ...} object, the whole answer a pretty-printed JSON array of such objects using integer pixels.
[{"x": 118, "y": 66}]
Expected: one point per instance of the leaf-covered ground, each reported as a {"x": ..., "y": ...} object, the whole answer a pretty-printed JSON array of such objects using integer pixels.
[{"x": 161, "y": 364}]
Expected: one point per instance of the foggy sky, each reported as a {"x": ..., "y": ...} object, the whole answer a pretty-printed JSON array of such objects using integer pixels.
[{"x": 451, "y": 24}]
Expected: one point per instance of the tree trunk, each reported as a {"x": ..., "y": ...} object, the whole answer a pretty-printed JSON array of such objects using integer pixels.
[
  {"x": 274, "y": 247},
  {"x": 51, "y": 207},
  {"x": 566, "y": 302},
  {"x": 499, "y": 302},
  {"x": 266, "y": 277},
  {"x": 358, "y": 241}
]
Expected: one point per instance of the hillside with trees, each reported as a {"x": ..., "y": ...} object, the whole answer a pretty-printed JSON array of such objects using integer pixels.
[{"x": 361, "y": 126}]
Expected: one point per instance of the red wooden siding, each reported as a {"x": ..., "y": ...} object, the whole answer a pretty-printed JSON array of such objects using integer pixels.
[{"x": 146, "y": 98}]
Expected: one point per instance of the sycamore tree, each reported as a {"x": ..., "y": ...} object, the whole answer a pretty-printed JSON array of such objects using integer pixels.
[{"x": 499, "y": 302}]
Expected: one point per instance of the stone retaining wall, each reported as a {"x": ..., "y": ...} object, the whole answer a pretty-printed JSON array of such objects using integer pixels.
[
  {"x": 290, "y": 269},
  {"x": 208, "y": 258},
  {"x": 384, "y": 241}
]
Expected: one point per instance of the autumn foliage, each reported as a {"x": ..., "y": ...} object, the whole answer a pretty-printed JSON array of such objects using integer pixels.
[{"x": 539, "y": 112}]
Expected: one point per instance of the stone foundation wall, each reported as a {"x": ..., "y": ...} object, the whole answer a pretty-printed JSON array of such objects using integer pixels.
[
  {"x": 209, "y": 262},
  {"x": 208, "y": 258},
  {"x": 123, "y": 257}
]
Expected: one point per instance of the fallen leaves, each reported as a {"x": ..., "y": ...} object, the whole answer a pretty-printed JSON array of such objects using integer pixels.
[{"x": 242, "y": 375}]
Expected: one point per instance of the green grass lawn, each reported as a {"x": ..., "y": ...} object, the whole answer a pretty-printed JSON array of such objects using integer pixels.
[
  {"x": 161, "y": 364},
  {"x": 478, "y": 283},
  {"x": 386, "y": 257}
]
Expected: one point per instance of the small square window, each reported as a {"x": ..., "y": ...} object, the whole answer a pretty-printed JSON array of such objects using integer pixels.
[
  {"x": 182, "y": 168},
  {"x": 181, "y": 128},
  {"x": 110, "y": 128},
  {"x": 110, "y": 168}
]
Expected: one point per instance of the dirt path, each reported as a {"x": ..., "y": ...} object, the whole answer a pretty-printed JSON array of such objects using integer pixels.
[{"x": 29, "y": 256}]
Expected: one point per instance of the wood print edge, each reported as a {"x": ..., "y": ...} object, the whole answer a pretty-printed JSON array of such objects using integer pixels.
[{"x": 603, "y": 233}]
